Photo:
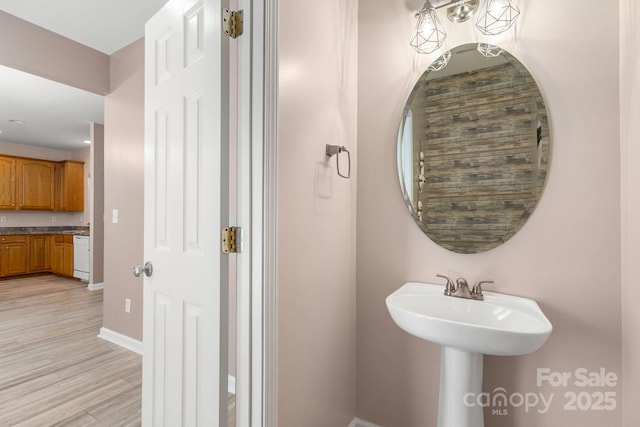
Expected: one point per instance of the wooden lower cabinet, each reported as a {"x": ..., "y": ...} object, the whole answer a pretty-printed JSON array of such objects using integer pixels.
[
  {"x": 62, "y": 255},
  {"x": 13, "y": 255},
  {"x": 39, "y": 253},
  {"x": 24, "y": 254}
]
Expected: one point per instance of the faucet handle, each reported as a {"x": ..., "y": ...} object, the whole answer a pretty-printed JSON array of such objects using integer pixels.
[
  {"x": 476, "y": 292},
  {"x": 450, "y": 288}
]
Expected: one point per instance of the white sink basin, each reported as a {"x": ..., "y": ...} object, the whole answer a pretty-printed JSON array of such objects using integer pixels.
[
  {"x": 466, "y": 329},
  {"x": 502, "y": 325}
]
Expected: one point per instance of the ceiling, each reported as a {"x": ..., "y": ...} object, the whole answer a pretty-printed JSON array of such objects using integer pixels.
[{"x": 55, "y": 115}]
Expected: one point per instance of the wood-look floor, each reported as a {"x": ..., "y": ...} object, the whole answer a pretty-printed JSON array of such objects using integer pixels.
[{"x": 54, "y": 371}]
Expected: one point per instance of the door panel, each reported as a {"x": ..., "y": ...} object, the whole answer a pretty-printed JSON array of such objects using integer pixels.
[
  {"x": 35, "y": 184},
  {"x": 186, "y": 205},
  {"x": 7, "y": 183}
]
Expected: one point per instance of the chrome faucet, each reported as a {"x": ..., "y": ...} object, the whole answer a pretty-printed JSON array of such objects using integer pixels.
[{"x": 461, "y": 288}]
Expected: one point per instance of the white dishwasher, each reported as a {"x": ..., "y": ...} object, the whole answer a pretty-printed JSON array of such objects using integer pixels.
[{"x": 81, "y": 257}]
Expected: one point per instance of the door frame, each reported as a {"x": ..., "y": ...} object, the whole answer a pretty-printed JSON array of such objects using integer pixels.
[{"x": 257, "y": 214}]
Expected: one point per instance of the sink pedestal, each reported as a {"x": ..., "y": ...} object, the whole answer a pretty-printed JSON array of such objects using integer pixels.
[
  {"x": 466, "y": 329},
  {"x": 460, "y": 388}
]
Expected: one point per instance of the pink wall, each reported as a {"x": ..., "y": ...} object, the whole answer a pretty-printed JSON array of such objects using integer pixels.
[
  {"x": 123, "y": 190},
  {"x": 567, "y": 256},
  {"x": 316, "y": 214},
  {"x": 630, "y": 178},
  {"x": 41, "y": 52}
]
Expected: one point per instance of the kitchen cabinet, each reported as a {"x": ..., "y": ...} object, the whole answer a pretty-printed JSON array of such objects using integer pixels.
[
  {"x": 62, "y": 254},
  {"x": 39, "y": 253},
  {"x": 35, "y": 180},
  {"x": 70, "y": 186},
  {"x": 7, "y": 182},
  {"x": 13, "y": 255},
  {"x": 34, "y": 184},
  {"x": 36, "y": 253}
]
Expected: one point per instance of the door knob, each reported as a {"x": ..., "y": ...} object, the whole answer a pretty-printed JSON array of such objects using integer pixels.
[{"x": 147, "y": 269}]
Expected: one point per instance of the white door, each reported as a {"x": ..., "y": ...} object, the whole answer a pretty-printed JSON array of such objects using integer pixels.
[{"x": 186, "y": 192}]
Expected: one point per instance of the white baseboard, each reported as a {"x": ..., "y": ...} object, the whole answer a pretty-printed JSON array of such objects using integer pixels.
[
  {"x": 232, "y": 384},
  {"x": 357, "y": 422},
  {"x": 95, "y": 286},
  {"x": 121, "y": 340}
]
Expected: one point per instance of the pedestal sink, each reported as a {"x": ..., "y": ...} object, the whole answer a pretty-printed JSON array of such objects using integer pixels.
[{"x": 502, "y": 325}]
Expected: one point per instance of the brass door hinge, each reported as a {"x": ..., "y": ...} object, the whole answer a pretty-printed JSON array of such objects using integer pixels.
[
  {"x": 231, "y": 239},
  {"x": 232, "y": 22}
]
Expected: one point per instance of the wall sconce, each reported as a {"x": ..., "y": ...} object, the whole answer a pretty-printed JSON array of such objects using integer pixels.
[
  {"x": 430, "y": 33},
  {"x": 496, "y": 17},
  {"x": 462, "y": 11}
]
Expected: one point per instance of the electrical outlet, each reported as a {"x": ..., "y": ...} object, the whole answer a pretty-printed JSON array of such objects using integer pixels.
[
  {"x": 127, "y": 305},
  {"x": 54, "y": 218},
  {"x": 3, "y": 218}
]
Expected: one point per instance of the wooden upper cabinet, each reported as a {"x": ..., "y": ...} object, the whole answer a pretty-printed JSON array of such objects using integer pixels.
[
  {"x": 35, "y": 184},
  {"x": 70, "y": 186},
  {"x": 7, "y": 182}
]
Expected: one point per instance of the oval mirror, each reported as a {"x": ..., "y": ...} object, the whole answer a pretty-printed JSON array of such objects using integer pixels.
[{"x": 473, "y": 148}]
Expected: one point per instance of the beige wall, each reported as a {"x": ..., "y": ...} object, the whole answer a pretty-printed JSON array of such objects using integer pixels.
[
  {"x": 630, "y": 179},
  {"x": 41, "y": 52},
  {"x": 567, "y": 256},
  {"x": 123, "y": 190},
  {"x": 316, "y": 210}
]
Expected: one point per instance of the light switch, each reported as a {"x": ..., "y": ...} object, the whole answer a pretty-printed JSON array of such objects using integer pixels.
[{"x": 114, "y": 218}]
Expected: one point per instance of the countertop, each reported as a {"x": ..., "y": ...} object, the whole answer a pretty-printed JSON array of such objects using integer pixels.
[{"x": 9, "y": 231}]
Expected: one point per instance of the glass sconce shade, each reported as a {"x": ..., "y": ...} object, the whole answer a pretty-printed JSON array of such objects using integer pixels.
[
  {"x": 497, "y": 17},
  {"x": 430, "y": 33}
]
